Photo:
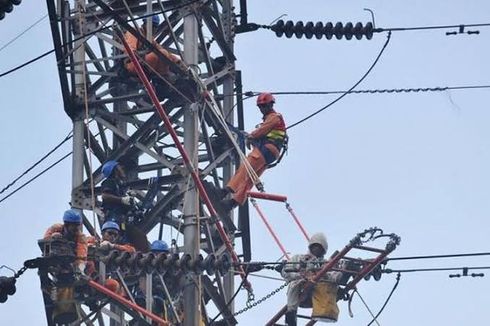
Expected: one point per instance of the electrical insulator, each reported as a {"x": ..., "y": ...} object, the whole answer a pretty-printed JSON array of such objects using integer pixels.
[
  {"x": 133, "y": 262},
  {"x": 224, "y": 264},
  {"x": 110, "y": 258},
  {"x": 210, "y": 264},
  {"x": 375, "y": 273},
  {"x": 197, "y": 264},
  {"x": 6, "y": 6},
  {"x": 146, "y": 263},
  {"x": 184, "y": 262},
  {"x": 310, "y": 29},
  {"x": 121, "y": 261},
  {"x": 7, "y": 287}
]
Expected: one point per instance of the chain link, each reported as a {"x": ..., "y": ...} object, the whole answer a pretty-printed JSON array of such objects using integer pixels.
[
  {"x": 250, "y": 304},
  {"x": 20, "y": 272}
]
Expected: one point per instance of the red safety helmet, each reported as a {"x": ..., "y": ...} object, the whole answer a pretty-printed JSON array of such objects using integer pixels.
[{"x": 265, "y": 98}]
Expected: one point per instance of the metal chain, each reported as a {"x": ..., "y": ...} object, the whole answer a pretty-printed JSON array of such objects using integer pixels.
[
  {"x": 20, "y": 272},
  {"x": 256, "y": 303}
]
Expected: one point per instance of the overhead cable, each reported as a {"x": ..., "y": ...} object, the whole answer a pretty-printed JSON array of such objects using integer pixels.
[
  {"x": 23, "y": 32},
  {"x": 439, "y": 256},
  {"x": 387, "y": 299},
  {"x": 35, "y": 177},
  {"x": 350, "y": 90},
  {"x": 421, "y": 28},
  {"x": 376, "y": 91},
  {"x": 68, "y": 137},
  {"x": 435, "y": 269}
]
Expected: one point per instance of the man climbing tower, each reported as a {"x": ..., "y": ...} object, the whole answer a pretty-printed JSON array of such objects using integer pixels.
[
  {"x": 115, "y": 201},
  {"x": 152, "y": 59},
  {"x": 267, "y": 141}
]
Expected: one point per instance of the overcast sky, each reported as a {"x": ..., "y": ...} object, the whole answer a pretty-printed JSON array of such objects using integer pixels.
[{"x": 414, "y": 164}]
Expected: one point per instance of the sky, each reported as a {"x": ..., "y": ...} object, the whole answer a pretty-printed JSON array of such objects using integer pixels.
[{"x": 413, "y": 164}]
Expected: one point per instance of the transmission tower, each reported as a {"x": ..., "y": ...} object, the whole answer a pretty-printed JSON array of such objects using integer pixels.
[{"x": 114, "y": 119}]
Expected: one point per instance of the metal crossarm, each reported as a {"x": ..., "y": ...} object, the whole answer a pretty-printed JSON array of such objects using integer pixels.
[{"x": 367, "y": 264}]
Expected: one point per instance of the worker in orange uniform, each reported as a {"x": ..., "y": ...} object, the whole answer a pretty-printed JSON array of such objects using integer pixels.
[
  {"x": 110, "y": 241},
  {"x": 267, "y": 141},
  {"x": 71, "y": 230},
  {"x": 151, "y": 58},
  {"x": 111, "y": 234}
]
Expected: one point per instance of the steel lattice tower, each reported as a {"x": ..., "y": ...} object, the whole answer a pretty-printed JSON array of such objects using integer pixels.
[{"x": 113, "y": 119}]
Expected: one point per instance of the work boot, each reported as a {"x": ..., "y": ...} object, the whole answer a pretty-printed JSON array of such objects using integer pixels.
[
  {"x": 291, "y": 318},
  {"x": 228, "y": 204}
]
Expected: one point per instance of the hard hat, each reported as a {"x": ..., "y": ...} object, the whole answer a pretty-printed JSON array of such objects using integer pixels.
[
  {"x": 265, "y": 98},
  {"x": 155, "y": 20},
  {"x": 110, "y": 225},
  {"x": 72, "y": 216},
  {"x": 159, "y": 246},
  {"x": 108, "y": 167}
]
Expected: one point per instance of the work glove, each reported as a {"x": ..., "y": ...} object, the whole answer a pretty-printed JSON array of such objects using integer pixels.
[
  {"x": 131, "y": 193},
  {"x": 106, "y": 245},
  {"x": 128, "y": 200},
  {"x": 81, "y": 268}
]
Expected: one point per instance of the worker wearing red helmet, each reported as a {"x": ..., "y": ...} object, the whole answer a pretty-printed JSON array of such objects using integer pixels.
[{"x": 267, "y": 141}]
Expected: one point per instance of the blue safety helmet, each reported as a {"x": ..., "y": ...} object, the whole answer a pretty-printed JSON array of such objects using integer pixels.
[
  {"x": 154, "y": 19},
  {"x": 159, "y": 246},
  {"x": 72, "y": 216},
  {"x": 108, "y": 167},
  {"x": 110, "y": 225}
]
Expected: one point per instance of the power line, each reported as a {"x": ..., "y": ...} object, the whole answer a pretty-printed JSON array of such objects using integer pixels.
[
  {"x": 85, "y": 35},
  {"x": 25, "y": 31},
  {"x": 376, "y": 91},
  {"x": 36, "y": 176},
  {"x": 350, "y": 90},
  {"x": 387, "y": 299},
  {"x": 68, "y": 137},
  {"x": 439, "y": 256},
  {"x": 421, "y": 28},
  {"x": 435, "y": 269}
]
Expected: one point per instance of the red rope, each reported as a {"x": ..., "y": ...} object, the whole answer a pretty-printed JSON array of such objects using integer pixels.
[
  {"x": 298, "y": 223},
  {"x": 163, "y": 115},
  {"x": 262, "y": 216},
  {"x": 127, "y": 303}
]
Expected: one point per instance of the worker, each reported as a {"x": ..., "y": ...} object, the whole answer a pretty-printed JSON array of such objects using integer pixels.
[
  {"x": 115, "y": 201},
  {"x": 111, "y": 236},
  {"x": 152, "y": 59},
  {"x": 71, "y": 230},
  {"x": 267, "y": 141},
  {"x": 301, "y": 270},
  {"x": 110, "y": 241},
  {"x": 159, "y": 246}
]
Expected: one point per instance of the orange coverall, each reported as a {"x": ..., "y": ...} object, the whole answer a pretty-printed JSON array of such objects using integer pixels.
[
  {"x": 151, "y": 58},
  {"x": 80, "y": 240},
  {"x": 241, "y": 183}
]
